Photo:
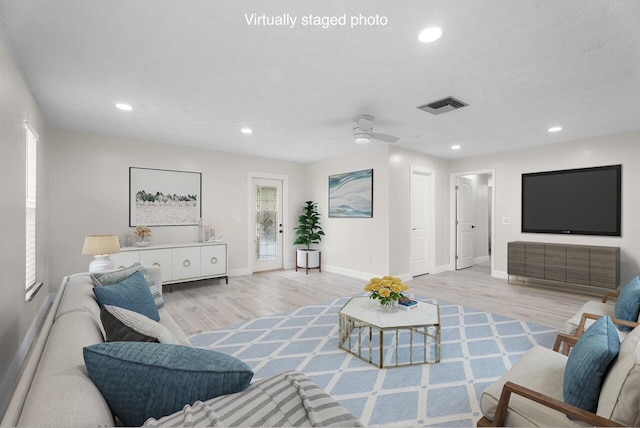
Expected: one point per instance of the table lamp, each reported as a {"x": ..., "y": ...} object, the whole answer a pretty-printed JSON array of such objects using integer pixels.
[{"x": 100, "y": 246}]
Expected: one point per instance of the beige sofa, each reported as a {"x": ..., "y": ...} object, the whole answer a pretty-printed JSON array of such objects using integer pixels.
[{"x": 54, "y": 389}]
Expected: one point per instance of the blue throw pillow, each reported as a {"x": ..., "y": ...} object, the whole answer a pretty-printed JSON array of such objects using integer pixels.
[
  {"x": 628, "y": 303},
  {"x": 131, "y": 293},
  {"x": 588, "y": 363},
  {"x": 141, "y": 380}
]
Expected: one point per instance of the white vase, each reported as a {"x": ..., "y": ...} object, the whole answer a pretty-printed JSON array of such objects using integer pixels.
[{"x": 314, "y": 258}]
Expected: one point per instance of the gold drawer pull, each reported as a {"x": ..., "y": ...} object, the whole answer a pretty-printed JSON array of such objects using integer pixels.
[
  {"x": 214, "y": 260},
  {"x": 156, "y": 264},
  {"x": 186, "y": 263}
]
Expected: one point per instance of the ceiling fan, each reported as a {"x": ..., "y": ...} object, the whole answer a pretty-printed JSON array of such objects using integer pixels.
[{"x": 363, "y": 131}]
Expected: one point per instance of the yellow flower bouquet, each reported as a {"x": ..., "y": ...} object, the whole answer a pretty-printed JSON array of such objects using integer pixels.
[{"x": 387, "y": 289}]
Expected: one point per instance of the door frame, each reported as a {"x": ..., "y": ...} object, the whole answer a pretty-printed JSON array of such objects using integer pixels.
[
  {"x": 286, "y": 252},
  {"x": 452, "y": 215},
  {"x": 431, "y": 211}
]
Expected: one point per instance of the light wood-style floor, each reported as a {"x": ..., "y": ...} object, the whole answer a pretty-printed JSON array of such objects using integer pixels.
[{"x": 211, "y": 304}]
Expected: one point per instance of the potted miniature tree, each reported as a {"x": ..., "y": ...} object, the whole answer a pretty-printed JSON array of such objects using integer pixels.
[{"x": 308, "y": 232}]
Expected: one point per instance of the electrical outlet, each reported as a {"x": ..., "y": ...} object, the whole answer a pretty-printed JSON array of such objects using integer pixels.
[{"x": 506, "y": 220}]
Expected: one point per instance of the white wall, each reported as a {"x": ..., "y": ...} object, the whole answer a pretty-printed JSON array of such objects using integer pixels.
[
  {"x": 509, "y": 166},
  {"x": 400, "y": 163},
  {"x": 89, "y": 190},
  {"x": 357, "y": 247},
  {"x": 17, "y": 317}
]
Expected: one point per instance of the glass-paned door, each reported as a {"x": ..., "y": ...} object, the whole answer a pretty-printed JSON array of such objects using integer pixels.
[{"x": 268, "y": 224}]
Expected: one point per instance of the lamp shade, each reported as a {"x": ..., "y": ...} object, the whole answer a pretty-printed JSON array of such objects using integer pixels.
[{"x": 95, "y": 245}]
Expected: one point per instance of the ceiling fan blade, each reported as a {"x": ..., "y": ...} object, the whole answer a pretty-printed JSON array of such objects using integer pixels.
[
  {"x": 365, "y": 123},
  {"x": 385, "y": 138}
]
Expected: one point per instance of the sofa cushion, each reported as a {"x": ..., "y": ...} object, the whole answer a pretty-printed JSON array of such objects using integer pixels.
[
  {"x": 123, "y": 325},
  {"x": 131, "y": 293},
  {"x": 539, "y": 369},
  {"x": 286, "y": 399},
  {"x": 109, "y": 278},
  {"x": 620, "y": 394},
  {"x": 151, "y": 380},
  {"x": 588, "y": 364},
  {"x": 628, "y": 303}
]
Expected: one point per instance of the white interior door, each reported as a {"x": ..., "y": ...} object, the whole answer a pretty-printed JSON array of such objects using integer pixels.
[
  {"x": 419, "y": 223},
  {"x": 464, "y": 223},
  {"x": 267, "y": 197}
]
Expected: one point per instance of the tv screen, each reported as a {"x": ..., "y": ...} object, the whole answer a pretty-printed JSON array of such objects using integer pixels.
[{"x": 584, "y": 201}]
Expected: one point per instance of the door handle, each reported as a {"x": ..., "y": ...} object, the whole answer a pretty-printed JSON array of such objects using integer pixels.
[
  {"x": 414, "y": 228},
  {"x": 473, "y": 227}
]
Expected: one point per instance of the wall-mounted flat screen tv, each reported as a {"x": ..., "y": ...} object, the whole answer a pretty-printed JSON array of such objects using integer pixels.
[{"x": 584, "y": 201}]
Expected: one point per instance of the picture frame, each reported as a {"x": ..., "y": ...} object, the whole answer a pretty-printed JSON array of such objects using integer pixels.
[
  {"x": 162, "y": 197},
  {"x": 351, "y": 194}
]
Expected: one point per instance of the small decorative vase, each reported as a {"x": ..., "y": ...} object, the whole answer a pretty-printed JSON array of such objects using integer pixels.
[
  {"x": 389, "y": 307},
  {"x": 142, "y": 242}
]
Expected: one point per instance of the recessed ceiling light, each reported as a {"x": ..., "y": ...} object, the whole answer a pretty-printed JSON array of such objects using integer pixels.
[
  {"x": 456, "y": 147},
  {"x": 123, "y": 106},
  {"x": 429, "y": 35},
  {"x": 555, "y": 129},
  {"x": 246, "y": 131}
]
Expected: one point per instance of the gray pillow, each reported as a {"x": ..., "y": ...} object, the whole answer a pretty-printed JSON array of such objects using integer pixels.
[
  {"x": 123, "y": 325},
  {"x": 150, "y": 380},
  {"x": 109, "y": 278}
]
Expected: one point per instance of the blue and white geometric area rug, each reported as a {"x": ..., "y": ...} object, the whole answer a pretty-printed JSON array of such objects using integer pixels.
[{"x": 477, "y": 348}]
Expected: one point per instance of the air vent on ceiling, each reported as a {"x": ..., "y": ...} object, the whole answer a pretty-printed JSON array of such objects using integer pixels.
[{"x": 442, "y": 106}]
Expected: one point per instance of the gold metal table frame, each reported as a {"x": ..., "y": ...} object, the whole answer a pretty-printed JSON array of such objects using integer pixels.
[{"x": 361, "y": 314}]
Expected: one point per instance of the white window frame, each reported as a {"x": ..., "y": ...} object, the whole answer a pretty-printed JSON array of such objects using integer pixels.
[{"x": 31, "y": 242}]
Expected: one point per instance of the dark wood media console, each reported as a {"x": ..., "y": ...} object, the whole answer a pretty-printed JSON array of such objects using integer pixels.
[{"x": 578, "y": 265}]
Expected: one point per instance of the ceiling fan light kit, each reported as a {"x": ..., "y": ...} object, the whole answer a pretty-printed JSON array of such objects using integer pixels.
[{"x": 363, "y": 131}]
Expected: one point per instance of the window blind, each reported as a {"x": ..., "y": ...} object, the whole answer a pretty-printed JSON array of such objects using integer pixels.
[{"x": 31, "y": 176}]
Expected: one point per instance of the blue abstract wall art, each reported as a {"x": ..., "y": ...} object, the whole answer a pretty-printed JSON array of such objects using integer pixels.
[{"x": 351, "y": 194}]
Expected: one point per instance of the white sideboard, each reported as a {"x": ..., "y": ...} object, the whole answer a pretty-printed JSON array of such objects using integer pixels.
[{"x": 179, "y": 262}]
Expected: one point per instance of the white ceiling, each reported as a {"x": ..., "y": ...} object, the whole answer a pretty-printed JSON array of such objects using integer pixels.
[{"x": 195, "y": 72}]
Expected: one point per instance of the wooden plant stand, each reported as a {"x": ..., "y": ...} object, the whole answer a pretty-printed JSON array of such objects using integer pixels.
[{"x": 319, "y": 267}]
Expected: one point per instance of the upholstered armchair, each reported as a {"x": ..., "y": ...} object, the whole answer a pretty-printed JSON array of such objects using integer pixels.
[
  {"x": 531, "y": 393},
  {"x": 564, "y": 342},
  {"x": 606, "y": 306},
  {"x": 618, "y": 305}
]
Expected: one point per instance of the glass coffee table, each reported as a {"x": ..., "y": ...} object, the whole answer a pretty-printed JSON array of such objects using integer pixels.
[{"x": 402, "y": 338}]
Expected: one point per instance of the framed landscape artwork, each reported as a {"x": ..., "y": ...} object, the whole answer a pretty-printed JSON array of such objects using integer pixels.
[
  {"x": 351, "y": 194},
  {"x": 160, "y": 197}
]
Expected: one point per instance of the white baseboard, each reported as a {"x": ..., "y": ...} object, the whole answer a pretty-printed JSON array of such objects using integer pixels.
[
  {"x": 500, "y": 274},
  {"x": 349, "y": 272},
  {"x": 441, "y": 268},
  {"x": 10, "y": 377},
  {"x": 240, "y": 272},
  {"x": 481, "y": 259}
]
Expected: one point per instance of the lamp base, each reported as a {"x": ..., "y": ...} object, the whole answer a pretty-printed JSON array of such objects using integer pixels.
[{"x": 100, "y": 264}]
